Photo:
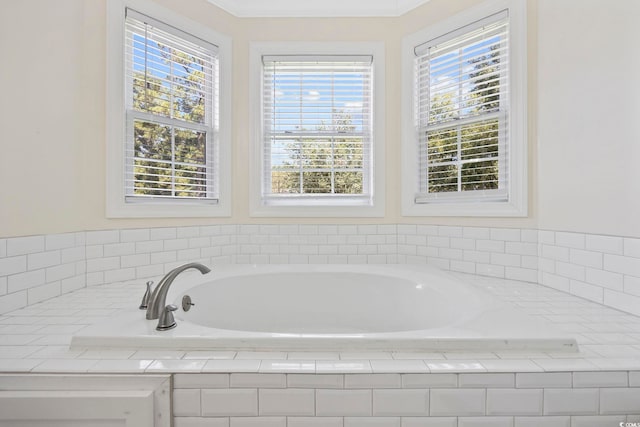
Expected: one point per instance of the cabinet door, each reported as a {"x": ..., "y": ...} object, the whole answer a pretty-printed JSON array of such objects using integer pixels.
[{"x": 77, "y": 408}]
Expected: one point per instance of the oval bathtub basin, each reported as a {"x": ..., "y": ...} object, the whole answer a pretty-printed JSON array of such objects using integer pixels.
[{"x": 331, "y": 307}]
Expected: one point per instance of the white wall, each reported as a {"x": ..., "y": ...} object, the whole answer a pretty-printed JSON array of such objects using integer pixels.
[
  {"x": 52, "y": 83},
  {"x": 588, "y": 114}
]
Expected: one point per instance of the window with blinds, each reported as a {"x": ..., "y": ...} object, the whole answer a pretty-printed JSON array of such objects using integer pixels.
[
  {"x": 171, "y": 113},
  {"x": 317, "y": 129},
  {"x": 462, "y": 109}
]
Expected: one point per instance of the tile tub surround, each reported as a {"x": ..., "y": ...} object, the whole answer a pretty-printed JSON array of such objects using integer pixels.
[
  {"x": 599, "y": 386},
  {"x": 605, "y": 269}
]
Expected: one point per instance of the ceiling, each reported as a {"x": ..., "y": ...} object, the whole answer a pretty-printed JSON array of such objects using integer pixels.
[{"x": 316, "y": 8}]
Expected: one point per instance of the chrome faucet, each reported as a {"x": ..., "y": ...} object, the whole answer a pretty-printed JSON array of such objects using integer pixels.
[{"x": 158, "y": 298}]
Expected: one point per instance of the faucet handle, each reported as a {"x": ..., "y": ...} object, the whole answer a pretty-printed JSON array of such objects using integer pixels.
[
  {"x": 167, "y": 321},
  {"x": 144, "y": 304}
]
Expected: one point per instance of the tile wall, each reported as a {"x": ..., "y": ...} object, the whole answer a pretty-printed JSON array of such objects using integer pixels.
[
  {"x": 563, "y": 399},
  {"x": 605, "y": 269}
]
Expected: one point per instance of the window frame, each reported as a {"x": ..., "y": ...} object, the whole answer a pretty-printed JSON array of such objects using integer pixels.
[
  {"x": 117, "y": 126},
  {"x": 305, "y": 206},
  {"x": 461, "y": 204}
]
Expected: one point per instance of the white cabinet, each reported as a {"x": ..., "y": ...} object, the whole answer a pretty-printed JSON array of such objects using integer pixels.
[{"x": 84, "y": 401}]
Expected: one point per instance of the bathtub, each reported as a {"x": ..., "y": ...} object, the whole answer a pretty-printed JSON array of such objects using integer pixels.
[{"x": 330, "y": 307}]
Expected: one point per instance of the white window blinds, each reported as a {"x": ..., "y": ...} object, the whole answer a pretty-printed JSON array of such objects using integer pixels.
[
  {"x": 317, "y": 137},
  {"x": 462, "y": 106},
  {"x": 171, "y": 109}
]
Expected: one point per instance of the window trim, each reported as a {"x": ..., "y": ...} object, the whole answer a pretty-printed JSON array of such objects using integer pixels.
[
  {"x": 332, "y": 206},
  {"x": 516, "y": 205},
  {"x": 116, "y": 126}
]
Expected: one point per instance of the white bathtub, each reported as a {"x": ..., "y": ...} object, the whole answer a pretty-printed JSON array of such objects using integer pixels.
[{"x": 330, "y": 307}]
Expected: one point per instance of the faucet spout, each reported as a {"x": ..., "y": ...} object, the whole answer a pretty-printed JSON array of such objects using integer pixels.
[{"x": 158, "y": 298}]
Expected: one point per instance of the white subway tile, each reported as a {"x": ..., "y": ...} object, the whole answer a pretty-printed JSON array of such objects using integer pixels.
[
  {"x": 187, "y": 232},
  {"x": 231, "y": 366},
  {"x": 343, "y": 403},
  {"x": 21, "y": 281},
  {"x": 13, "y": 301},
  {"x": 314, "y": 422},
  {"x": 72, "y": 254},
  {"x": 118, "y": 249},
  {"x": 258, "y": 422},
  {"x": 632, "y": 285},
  {"x": 555, "y": 282},
  {"x": 3, "y": 248},
  {"x": 514, "y": 401},
  {"x": 506, "y": 234},
  {"x": 372, "y": 422},
  {"x": 43, "y": 260},
  {"x": 587, "y": 291},
  {"x": 24, "y": 245},
  {"x": 606, "y": 244},
  {"x": 544, "y": 380},
  {"x": 490, "y": 246},
  {"x": 294, "y": 402},
  {"x": 3, "y": 286},
  {"x": 570, "y": 240},
  {"x": 438, "y": 241},
  {"x": 597, "y": 421},
  {"x": 186, "y": 403},
  {"x": 510, "y": 260},
  {"x": 620, "y": 401},
  {"x": 429, "y": 380},
  {"x": 605, "y": 279},
  {"x": 557, "y": 253},
  {"x": 169, "y": 365},
  {"x": 521, "y": 248},
  {"x": 571, "y": 401},
  {"x": 13, "y": 265},
  {"x": 543, "y": 421},
  {"x": 486, "y": 380},
  {"x": 476, "y": 256},
  {"x": 315, "y": 381},
  {"x": 149, "y": 246},
  {"x": 229, "y": 402},
  {"x": 192, "y": 381},
  {"x": 397, "y": 366},
  {"x": 622, "y": 301},
  {"x": 462, "y": 243},
  {"x": 59, "y": 272},
  {"x": 631, "y": 247},
  {"x": 522, "y": 274},
  {"x": 119, "y": 275},
  {"x": 400, "y": 402},
  {"x": 490, "y": 270},
  {"x": 622, "y": 264},
  {"x": 429, "y": 422},
  {"x": 43, "y": 292},
  {"x": 103, "y": 264},
  {"x": 634, "y": 379},
  {"x": 476, "y": 233},
  {"x": 60, "y": 241},
  {"x": 451, "y": 231},
  {"x": 343, "y": 366},
  {"x": 600, "y": 379},
  {"x": 586, "y": 258},
  {"x": 353, "y": 381},
  {"x": 162, "y": 233},
  {"x": 135, "y": 235},
  {"x": 485, "y": 422},
  {"x": 102, "y": 237},
  {"x": 457, "y": 402},
  {"x": 528, "y": 235},
  {"x": 571, "y": 271},
  {"x": 135, "y": 260},
  {"x": 246, "y": 380}
]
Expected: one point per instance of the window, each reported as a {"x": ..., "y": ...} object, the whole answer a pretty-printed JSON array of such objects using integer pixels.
[
  {"x": 468, "y": 140},
  {"x": 317, "y": 143},
  {"x": 168, "y": 141}
]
